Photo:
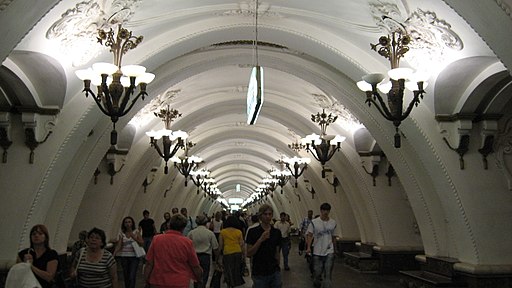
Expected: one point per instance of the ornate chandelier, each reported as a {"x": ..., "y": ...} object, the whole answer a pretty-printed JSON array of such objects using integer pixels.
[
  {"x": 198, "y": 177},
  {"x": 296, "y": 146},
  {"x": 393, "y": 48},
  {"x": 115, "y": 83},
  {"x": 299, "y": 164},
  {"x": 323, "y": 146},
  {"x": 185, "y": 164},
  {"x": 281, "y": 177},
  {"x": 172, "y": 141}
]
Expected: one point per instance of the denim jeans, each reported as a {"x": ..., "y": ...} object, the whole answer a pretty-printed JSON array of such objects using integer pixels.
[
  {"x": 285, "y": 249},
  {"x": 204, "y": 262},
  {"x": 130, "y": 265},
  {"x": 268, "y": 281},
  {"x": 147, "y": 243},
  {"x": 322, "y": 267}
]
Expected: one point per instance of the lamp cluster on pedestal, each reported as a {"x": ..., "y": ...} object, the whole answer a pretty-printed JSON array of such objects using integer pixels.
[
  {"x": 186, "y": 164},
  {"x": 281, "y": 176},
  {"x": 198, "y": 177},
  {"x": 394, "y": 47},
  {"x": 296, "y": 166},
  {"x": 172, "y": 141},
  {"x": 116, "y": 84},
  {"x": 323, "y": 146}
]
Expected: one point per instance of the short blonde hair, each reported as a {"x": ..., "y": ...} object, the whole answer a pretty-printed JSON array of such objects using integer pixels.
[{"x": 263, "y": 208}]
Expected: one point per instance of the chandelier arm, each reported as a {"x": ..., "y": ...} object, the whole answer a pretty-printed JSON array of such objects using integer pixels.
[
  {"x": 381, "y": 106},
  {"x": 332, "y": 152},
  {"x": 302, "y": 171},
  {"x": 88, "y": 91},
  {"x": 107, "y": 97},
  {"x": 98, "y": 103},
  {"x": 157, "y": 148},
  {"x": 131, "y": 104},
  {"x": 127, "y": 93},
  {"x": 197, "y": 181},
  {"x": 312, "y": 153},
  {"x": 414, "y": 101},
  {"x": 174, "y": 150},
  {"x": 320, "y": 152}
]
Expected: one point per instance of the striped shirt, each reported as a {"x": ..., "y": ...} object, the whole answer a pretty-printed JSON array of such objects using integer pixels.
[
  {"x": 127, "y": 246},
  {"x": 95, "y": 274}
]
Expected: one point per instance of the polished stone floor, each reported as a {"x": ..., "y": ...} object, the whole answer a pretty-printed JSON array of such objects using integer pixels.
[{"x": 299, "y": 276}]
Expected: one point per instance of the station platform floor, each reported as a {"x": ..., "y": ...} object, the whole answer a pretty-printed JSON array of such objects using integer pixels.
[{"x": 299, "y": 276}]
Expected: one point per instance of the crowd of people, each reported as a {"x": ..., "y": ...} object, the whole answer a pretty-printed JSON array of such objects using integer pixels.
[{"x": 186, "y": 249}]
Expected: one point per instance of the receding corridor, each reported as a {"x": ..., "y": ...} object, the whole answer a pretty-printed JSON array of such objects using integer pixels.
[{"x": 395, "y": 113}]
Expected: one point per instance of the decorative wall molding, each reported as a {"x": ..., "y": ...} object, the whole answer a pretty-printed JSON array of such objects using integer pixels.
[
  {"x": 145, "y": 115},
  {"x": 246, "y": 9},
  {"x": 333, "y": 106},
  {"x": 503, "y": 149},
  {"x": 77, "y": 28},
  {"x": 431, "y": 35},
  {"x": 505, "y": 7},
  {"x": 4, "y": 4}
]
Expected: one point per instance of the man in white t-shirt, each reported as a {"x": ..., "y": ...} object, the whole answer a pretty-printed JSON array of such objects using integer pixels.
[
  {"x": 284, "y": 227},
  {"x": 324, "y": 230}
]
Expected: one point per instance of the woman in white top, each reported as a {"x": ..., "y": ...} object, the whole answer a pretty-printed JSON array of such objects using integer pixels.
[
  {"x": 125, "y": 252},
  {"x": 216, "y": 226}
]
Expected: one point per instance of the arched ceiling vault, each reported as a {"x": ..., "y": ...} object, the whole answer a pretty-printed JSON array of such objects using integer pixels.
[{"x": 313, "y": 53}]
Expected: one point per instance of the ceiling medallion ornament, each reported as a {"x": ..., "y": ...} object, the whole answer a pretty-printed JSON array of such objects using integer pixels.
[
  {"x": 78, "y": 25},
  {"x": 4, "y": 4},
  {"x": 335, "y": 107},
  {"x": 246, "y": 9},
  {"x": 145, "y": 115},
  {"x": 431, "y": 36}
]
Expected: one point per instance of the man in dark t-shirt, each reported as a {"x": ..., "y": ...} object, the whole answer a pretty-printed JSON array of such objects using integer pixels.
[
  {"x": 263, "y": 247},
  {"x": 147, "y": 225}
]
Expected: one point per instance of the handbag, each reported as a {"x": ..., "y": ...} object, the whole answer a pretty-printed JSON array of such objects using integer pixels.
[
  {"x": 215, "y": 282},
  {"x": 139, "y": 251},
  {"x": 21, "y": 276}
]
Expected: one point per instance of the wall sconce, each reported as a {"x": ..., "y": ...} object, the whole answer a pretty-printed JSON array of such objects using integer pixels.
[
  {"x": 5, "y": 137},
  {"x": 97, "y": 172},
  {"x": 335, "y": 183},
  {"x": 390, "y": 173},
  {"x": 147, "y": 182},
  {"x": 32, "y": 123},
  {"x": 310, "y": 188},
  {"x": 115, "y": 161}
]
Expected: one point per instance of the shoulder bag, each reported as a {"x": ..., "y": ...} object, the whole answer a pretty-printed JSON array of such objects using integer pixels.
[{"x": 139, "y": 251}]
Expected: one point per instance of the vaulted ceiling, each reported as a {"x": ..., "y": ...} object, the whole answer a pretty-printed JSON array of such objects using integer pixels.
[{"x": 202, "y": 52}]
